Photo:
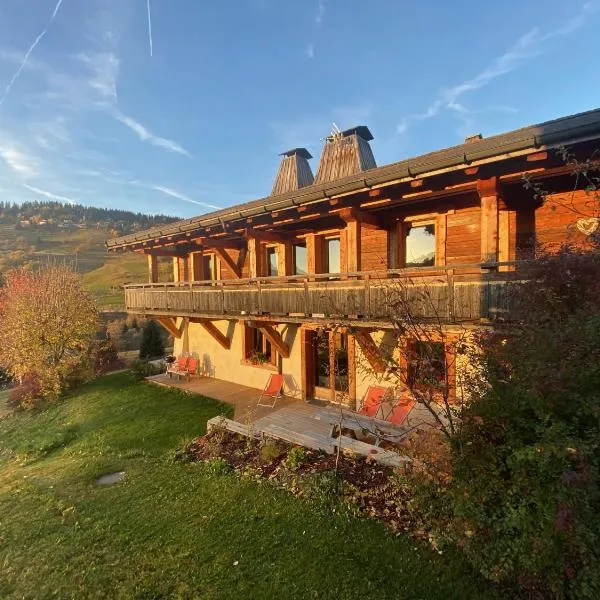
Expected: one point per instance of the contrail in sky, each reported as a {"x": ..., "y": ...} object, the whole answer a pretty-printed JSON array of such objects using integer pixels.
[
  {"x": 149, "y": 26},
  {"x": 33, "y": 46}
]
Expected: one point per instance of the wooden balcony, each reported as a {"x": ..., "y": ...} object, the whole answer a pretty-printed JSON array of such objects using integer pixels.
[{"x": 458, "y": 293}]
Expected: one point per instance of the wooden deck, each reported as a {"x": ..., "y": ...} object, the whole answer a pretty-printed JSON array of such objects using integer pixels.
[
  {"x": 243, "y": 398},
  {"x": 312, "y": 425},
  {"x": 315, "y": 427}
]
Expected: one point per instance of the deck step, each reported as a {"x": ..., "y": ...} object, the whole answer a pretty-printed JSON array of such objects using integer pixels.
[{"x": 384, "y": 457}]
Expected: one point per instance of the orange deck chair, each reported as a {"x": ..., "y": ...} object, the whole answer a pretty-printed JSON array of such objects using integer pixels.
[
  {"x": 401, "y": 410},
  {"x": 179, "y": 366},
  {"x": 372, "y": 401},
  {"x": 272, "y": 391},
  {"x": 192, "y": 368}
]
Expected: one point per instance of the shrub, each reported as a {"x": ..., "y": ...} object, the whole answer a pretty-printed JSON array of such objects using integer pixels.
[
  {"x": 216, "y": 466},
  {"x": 526, "y": 466},
  {"x": 47, "y": 326},
  {"x": 270, "y": 451},
  {"x": 297, "y": 457},
  {"x": 152, "y": 345},
  {"x": 26, "y": 395},
  {"x": 141, "y": 369}
]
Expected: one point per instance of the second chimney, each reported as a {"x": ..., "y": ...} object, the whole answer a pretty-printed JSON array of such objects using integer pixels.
[
  {"x": 294, "y": 171},
  {"x": 346, "y": 153}
]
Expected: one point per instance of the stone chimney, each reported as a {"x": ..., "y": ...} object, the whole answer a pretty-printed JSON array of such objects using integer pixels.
[
  {"x": 346, "y": 153},
  {"x": 294, "y": 171}
]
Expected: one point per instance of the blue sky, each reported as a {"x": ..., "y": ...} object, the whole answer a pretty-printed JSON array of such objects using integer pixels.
[{"x": 89, "y": 114}]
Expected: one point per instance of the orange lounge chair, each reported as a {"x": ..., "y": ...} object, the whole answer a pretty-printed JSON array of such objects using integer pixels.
[
  {"x": 401, "y": 410},
  {"x": 372, "y": 401},
  {"x": 272, "y": 391},
  {"x": 179, "y": 366},
  {"x": 192, "y": 368}
]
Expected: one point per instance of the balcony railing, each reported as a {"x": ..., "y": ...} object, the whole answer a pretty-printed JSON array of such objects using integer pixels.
[{"x": 453, "y": 293}]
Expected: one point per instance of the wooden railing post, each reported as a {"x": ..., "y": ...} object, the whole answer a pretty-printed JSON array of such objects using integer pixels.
[{"x": 367, "y": 295}]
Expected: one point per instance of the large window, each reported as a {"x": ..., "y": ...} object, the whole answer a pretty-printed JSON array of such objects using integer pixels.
[
  {"x": 300, "y": 261},
  {"x": 419, "y": 246},
  {"x": 272, "y": 265},
  {"x": 258, "y": 350},
  {"x": 331, "y": 256}
]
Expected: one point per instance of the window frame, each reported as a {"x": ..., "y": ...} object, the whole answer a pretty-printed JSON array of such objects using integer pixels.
[
  {"x": 271, "y": 250},
  {"x": 254, "y": 339},
  {"x": 405, "y": 228}
]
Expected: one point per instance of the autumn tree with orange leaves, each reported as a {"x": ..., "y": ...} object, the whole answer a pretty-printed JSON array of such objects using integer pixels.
[{"x": 47, "y": 327}]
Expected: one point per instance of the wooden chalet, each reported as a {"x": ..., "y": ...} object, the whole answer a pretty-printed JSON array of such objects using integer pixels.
[{"x": 291, "y": 281}]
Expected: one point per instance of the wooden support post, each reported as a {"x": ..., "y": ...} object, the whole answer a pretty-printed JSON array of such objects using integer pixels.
[
  {"x": 152, "y": 268},
  {"x": 370, "y": 350},
  {"x": 254, "y": 257},
  {"x": 224, "y": 257},
  {"x": 353, "y": 248},
  {"x": 352, "y": 403},
  {"x": 440, "y": 239},
  {"x": 488, "y": 190},
  {"x": 169, "y": 323},
  {"x": 311, "y": 252},
  {"x": 332, "y": 366},
  {"x": 306, "y": 358},
  {"x": 284, "y": 258},
  {"x": 275, "y": 338}
]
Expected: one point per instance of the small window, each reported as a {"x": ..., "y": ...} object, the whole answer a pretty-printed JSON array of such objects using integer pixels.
[
  {"x": 258, "y": 349},
  {"x": 420, "y": 246},
  {"x": 300, "y": 261},
  {"x": 272, "y": 266},
  {"x": 427, "y": 364},
  {"x": 331, "y": 256}
]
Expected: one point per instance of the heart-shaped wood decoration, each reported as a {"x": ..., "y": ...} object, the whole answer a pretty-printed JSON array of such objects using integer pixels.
[{"x": 588, "y": 226}]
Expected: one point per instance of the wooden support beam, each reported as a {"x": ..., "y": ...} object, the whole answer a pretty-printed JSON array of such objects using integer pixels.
[
  {"x": 267, "y": 236},
  {"x": 223, "y": 256},
  {"x": 352, "y": 403},
  {"x": 169, "y": 323},
  {"x": 370, "y": 350},
  {"x": 353, "y": 214},
  {"x": 212, "y": 243},
  {"x": 537, "y": 157},
  {"x": 415, "y": 183},
  {"x": 275, "y": 338},
  {"x": 471, "y": 170},
  {"x": 376, "y": 193},
  {"x": 210, "y": 327}
]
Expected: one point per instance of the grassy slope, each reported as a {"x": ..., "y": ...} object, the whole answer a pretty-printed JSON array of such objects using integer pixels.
[{"x": 174, "y": 531}]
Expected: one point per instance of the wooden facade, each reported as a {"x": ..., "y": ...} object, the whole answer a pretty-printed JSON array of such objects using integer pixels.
[{"x": 313, "y": 256}]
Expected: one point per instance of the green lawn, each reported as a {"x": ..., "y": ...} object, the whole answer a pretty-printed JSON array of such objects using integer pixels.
[{"x": 171, "y": 530}]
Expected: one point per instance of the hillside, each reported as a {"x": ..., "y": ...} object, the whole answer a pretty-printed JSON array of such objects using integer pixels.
[{"x": 31, "y": 234}]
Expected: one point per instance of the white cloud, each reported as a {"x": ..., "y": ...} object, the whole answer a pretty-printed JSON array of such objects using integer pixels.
[
  {"x": 104, "y": 70},
  {"x": 147, "y": 136},
  {"x": 320, "y": 14},
  {"x": 175, "y": 194},
  {"x": 31, "y": 48},
  {"x": 19, "y": 162},
  {"x": 528, "y": 46},
  {"x": 310, "y": 50},
  {"x": 49, "y": 195}
]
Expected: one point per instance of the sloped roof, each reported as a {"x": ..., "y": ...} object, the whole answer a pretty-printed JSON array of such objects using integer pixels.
[{"x": 562, "y": 131}]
